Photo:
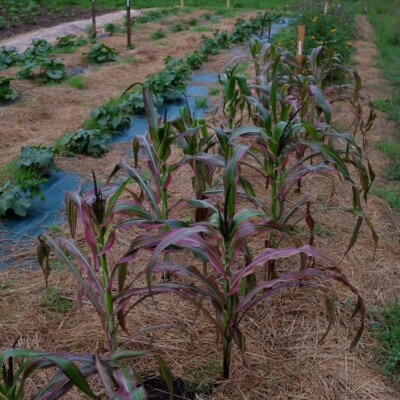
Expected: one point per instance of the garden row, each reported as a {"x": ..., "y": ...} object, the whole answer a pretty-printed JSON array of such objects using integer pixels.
[
  {"x": 37, "y": 57},
  {"x": 273, "y": 134},
  {"x": 19, "y": 188}
]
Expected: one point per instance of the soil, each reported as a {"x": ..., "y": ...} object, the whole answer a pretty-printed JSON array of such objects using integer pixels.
[
  {"x": 46, "y": 19},
  {"x": 284, "y": 359}
]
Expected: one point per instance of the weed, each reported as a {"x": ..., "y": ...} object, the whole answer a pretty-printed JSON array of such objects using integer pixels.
[
  {"x": 202, "y": 28},
  {"x": 131, "y": 60},
  {"x": 52, "y": 300},
  {"x": 77, "y": 82},
  {"x": 387, "y": 327},
  {"x": 158, "y": 34},
  {"x": 177, "y": 27},
  {"x": 5, "y": 284},
  {"x": 392, "y": 197},
  {"x": 213, "y": 91},
  {"x": 200, "y": 102}
]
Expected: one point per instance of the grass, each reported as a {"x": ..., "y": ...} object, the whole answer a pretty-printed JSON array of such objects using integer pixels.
[
  {"x": 77, "y": 82},
  {"x": 392, "y": 197},
  {"x": 385, "y": 17},
  {"x": 387, "y": 326},
  {"x": 202, "y": 28},
  {"x": 219, "y": 4},
  {"x": 53, "y": 301}
]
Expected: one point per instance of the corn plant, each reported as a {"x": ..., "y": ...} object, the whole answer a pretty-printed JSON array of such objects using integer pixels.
[
  {"x": 96, "y": 276},
  {"x": 196, "y": 143},
  {"x": 120, "y": 381},
  {"x": 292, "y": 133},
  {"x": 223, "y": 243}
]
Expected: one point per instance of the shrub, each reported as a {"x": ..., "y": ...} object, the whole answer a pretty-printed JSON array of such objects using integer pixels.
[{"x": 100, "y": 53}]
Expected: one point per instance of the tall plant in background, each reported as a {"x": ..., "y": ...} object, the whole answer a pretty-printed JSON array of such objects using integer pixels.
[{"x": 293, "y": 135}]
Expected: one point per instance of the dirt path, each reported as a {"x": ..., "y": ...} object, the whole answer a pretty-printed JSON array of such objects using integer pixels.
[{"x": 21, "y": 42}]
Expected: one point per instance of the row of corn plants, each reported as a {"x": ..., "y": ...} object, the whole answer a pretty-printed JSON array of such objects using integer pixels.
[{"x": 201, "y": 248}]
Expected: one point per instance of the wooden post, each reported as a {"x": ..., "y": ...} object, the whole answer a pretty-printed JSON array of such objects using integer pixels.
[
  {"x": 182, "y": 3},
  {"x": 228, "y": 3},
  {"x": 301, "y": 33},
  {"x": 128, "y": 23},
  {"x": 94, "y": 19}
]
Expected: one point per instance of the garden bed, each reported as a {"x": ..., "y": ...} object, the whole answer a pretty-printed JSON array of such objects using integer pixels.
[{"x": 283, "y": 354}]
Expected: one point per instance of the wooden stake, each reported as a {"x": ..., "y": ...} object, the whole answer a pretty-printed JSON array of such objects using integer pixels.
[
  {"x": 128, "y": 23},
  {"x": 94, "y": 19},
  {"x": 182, "y": 3},
  {"x": 326, "y": 7},
  {"x": 228, "y": 3},
  {"x": 301, "y": 33}
]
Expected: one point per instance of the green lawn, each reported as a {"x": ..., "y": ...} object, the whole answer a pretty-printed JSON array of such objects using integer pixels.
[{"x": 243, "y": 4}]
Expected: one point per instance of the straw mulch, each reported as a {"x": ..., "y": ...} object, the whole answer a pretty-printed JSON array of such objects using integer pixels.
[{"x": 286, "y": 360}]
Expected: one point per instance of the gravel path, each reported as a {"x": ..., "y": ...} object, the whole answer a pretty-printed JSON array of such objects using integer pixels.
[{"x": 23, "y": 41}]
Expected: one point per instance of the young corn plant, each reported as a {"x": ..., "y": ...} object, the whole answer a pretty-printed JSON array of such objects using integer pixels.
[
  {"x": 223, "y": 243},
  {"x": 197, "y": 143},
  {"x": 98, "y": 278},
  {"x": 293, "y": 137}
]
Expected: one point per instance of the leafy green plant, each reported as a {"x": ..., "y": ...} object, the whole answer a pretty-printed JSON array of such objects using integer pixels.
[
  {"x": 158, "y": 34},
  {"x": 13, "y": 199},
  {"x": 7, "y": 93},
  {"x": 100, "y": 53},
  {"x": 83, "y": 141},
  {"x": 49, "y": 69},
  {"x": 195, "y": 59},
  {"x": 68, "y": 44},
  {"x": 9, "y": 57},
  {"x": 38, "y": 48},
  {"x": 177, "y": 27},
  {"x": 39, "y": 158},
  {"x": 111, "y": 28},
  {"x": 193, "y": 21}
]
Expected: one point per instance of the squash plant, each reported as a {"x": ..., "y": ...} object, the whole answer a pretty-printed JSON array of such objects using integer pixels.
[
  {"x": 9, "y": 57},
  {"x": 7, "y": 93},
  {"x": 100, "y": 53}
]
